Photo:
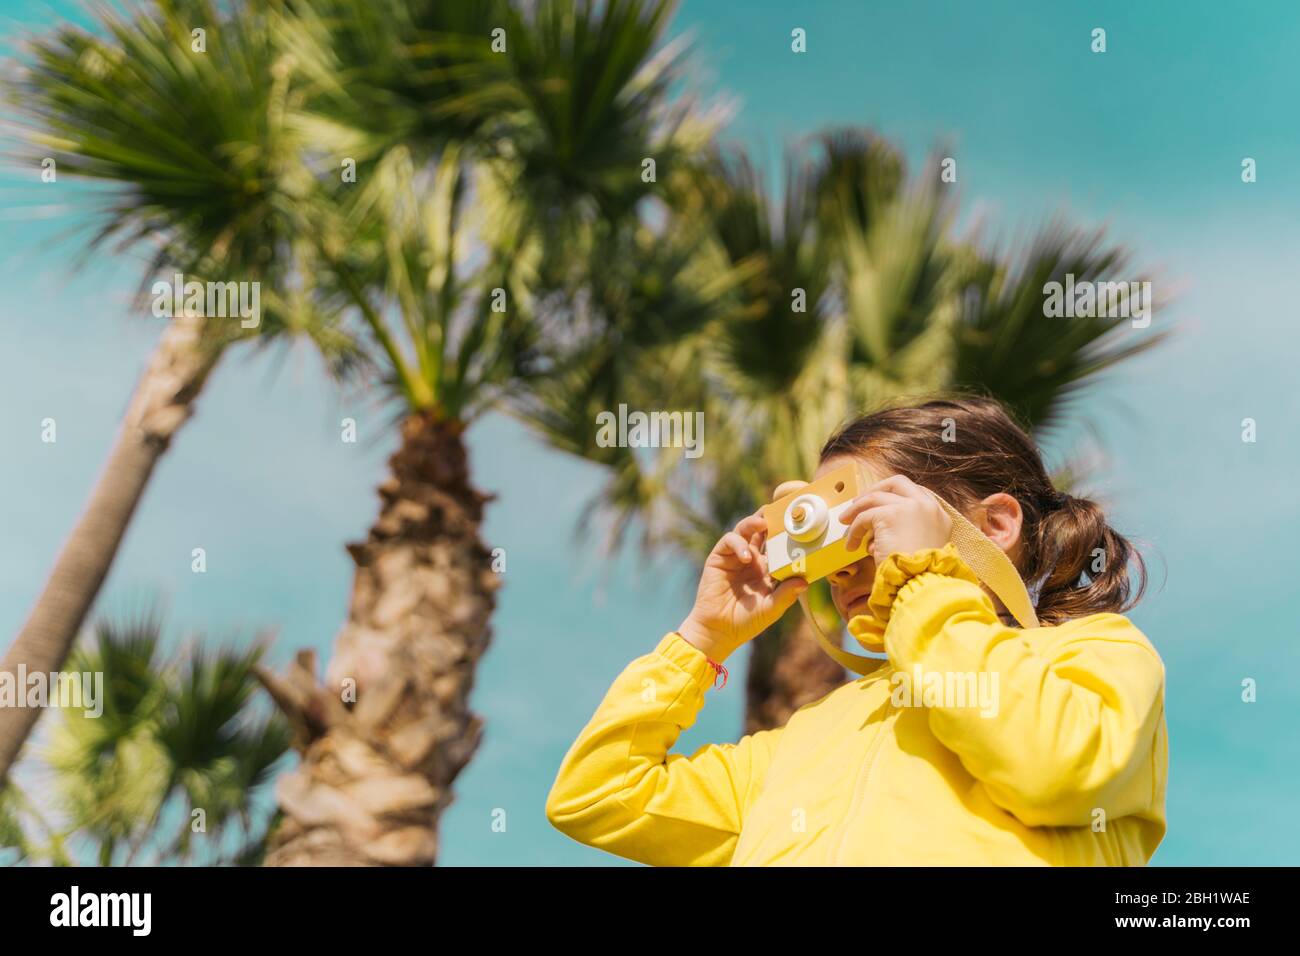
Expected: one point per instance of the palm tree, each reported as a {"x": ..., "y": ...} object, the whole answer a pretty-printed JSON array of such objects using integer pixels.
[
  {"x": 189, "y": 154},
  {"x": 851, "y": 292},
  {"x": 174, "y": 769},
  {"x": 487, "y": 181}
]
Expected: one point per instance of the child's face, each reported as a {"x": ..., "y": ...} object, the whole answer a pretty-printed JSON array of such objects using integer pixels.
[{"x": 851, "y": 585}]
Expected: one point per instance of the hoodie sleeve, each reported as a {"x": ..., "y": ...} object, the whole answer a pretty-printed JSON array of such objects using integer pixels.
[
  {"x": 620, "y": 790},
  {"x": 1078, "y": 708}
]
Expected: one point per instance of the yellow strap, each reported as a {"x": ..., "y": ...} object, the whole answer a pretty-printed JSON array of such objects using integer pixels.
[
  {"x": 992, "y": 566},
  {"x": 857, "y": 663}
]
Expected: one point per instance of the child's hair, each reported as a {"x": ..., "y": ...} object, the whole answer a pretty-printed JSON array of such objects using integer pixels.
[{"x": 965, "y": 449}]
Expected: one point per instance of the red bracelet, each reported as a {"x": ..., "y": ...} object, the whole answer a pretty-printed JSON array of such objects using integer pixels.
[{"x": 718, "y": 671}]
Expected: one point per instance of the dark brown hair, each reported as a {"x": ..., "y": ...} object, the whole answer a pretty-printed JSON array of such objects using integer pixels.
[{"x": 965, "y": 449}]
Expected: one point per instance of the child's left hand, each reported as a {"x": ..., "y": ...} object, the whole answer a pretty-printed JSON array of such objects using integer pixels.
[{"x": 898, "y": 516}]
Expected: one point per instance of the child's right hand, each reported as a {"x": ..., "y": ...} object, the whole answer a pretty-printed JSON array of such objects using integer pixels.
[{"x": 736, "y": 600}]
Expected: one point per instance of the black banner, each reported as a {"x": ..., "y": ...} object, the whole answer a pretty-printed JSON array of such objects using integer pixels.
[{"x": 913, "y": 906}]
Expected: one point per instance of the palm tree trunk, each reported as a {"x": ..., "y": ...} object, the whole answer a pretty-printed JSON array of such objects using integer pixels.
[
  {"x": 787, "y": 670},
  {"x": 163, "y": 400},
  {"x": 384, "y": 737}
]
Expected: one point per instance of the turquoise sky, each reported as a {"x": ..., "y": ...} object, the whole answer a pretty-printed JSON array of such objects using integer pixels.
[{"x": 1146, "y": 139}]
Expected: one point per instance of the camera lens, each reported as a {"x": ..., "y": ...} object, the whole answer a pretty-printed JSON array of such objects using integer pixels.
[{"x": 806, "y": 517}]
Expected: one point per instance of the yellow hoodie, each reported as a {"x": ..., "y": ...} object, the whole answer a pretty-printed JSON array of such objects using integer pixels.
[{"x": 899, "y": 767}]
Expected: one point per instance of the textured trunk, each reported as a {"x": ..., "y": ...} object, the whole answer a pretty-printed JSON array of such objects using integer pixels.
[
  {"x": 383, "y": 738},
  {"x": 162, "y": 402},
  {"x": 787, "y": 670}
]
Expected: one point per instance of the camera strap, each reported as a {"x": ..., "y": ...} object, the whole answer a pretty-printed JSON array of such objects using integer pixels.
[
  {"x": 858, "y": 663},
  {"x": 992, "y": 566}
]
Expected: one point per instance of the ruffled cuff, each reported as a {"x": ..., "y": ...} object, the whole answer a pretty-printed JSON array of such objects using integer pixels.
[{"x": 899, "y": 569}]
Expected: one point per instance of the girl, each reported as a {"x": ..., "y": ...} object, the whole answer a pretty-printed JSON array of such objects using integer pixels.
[{"x": 1062, "y": 761}]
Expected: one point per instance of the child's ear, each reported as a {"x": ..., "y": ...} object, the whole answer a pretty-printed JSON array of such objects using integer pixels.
[{"x": 1001, "y": 520}]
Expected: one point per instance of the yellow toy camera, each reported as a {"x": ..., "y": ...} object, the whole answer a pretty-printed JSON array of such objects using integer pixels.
[{"x": 805, "y": 537}]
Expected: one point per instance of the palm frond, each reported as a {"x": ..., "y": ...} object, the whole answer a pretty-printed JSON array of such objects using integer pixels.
[
  {"x": 190, "y": 145},
  {"x": 1035, "y": 364},
  {"x": 591, "y": 85},
  {"x": 379, "y": 74}
]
